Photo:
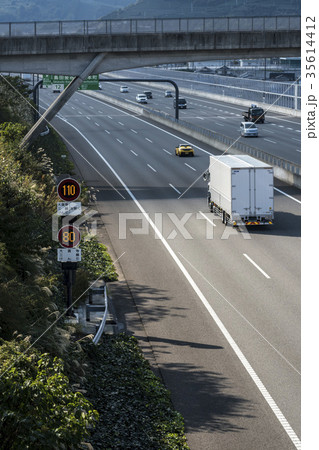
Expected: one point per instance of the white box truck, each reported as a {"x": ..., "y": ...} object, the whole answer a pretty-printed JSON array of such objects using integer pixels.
[{"x": 241, "y": 189}]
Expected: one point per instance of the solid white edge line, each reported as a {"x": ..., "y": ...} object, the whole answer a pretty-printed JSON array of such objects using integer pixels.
[
  {"x": 281, "y": 418},
  {"x": 256, "y": 265}
]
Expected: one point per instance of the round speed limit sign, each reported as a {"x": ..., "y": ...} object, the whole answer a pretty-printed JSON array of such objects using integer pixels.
[
  {"x": 69, "y": 236},
  {"x": 69, "y": 190}
]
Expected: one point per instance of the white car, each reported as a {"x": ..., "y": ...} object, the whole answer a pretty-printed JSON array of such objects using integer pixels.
[
  {"x": 123, "y": 89},
  {"x": 141, "y": 98},
  {"x": 248, "y": 129}
]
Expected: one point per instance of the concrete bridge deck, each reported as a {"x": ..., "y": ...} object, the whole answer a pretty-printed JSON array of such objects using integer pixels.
[{"x": 67, "y": 48}]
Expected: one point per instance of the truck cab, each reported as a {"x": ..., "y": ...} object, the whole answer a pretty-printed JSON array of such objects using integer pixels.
[{"x": 254, "y": 114}]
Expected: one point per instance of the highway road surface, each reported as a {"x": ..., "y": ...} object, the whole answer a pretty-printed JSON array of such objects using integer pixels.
[
  {"x": 220, "y": 306},
  {"x": 279, "y": 135}
]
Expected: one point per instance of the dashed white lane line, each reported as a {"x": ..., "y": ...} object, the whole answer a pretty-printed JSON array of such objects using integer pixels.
[
  {"x": 118, "y": 140},
  {"x": 134, "y": 152},
  {"x": 107, "y": 132},
  {"x": 269, "y": 140},
  {"x": 88, "y": 118},
  {"x": 149, "y": 140},
  {"x": 208, "y": 220},
  {"x": 281, "y": 418},
  {"x": 190, "y": 166},
  {"x": 166, "y": 151},
  {"x": 133, "y": 131},
  {"x": 174, "y": 188},
  {"x": 152, "y": 168},
  {"x": 256, "y": 265},
  {"x": 289, "y": 196},
  {"x": 121, "y": 123},
  {"x": 97, "y": 124},
  {"x": 295, "y": 139}
]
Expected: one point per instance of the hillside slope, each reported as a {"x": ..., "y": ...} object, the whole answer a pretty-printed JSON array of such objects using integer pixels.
[
  {"x": 206, "y": 8},
  {"x": 35, "y": 10}
]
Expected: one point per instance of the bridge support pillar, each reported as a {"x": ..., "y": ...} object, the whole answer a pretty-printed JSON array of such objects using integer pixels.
[{"x": 60, "y": 101}]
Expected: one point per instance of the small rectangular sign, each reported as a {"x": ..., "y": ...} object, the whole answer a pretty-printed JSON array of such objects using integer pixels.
[
  {"x": 69, "y": 254},
  {"x": 69, "y": 208}
]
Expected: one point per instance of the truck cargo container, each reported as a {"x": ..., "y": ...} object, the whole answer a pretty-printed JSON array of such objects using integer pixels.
[{"x": 241, "y": 189}]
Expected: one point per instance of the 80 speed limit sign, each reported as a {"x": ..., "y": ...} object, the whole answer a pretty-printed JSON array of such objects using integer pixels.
[{"x": 69, "y": 236}]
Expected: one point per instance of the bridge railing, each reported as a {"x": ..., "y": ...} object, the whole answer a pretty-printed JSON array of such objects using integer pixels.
[{"x": 160, "y": 26}]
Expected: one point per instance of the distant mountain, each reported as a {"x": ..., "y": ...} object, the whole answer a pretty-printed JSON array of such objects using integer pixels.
[
  {"x": 206, "y": 8},
  {"x": 35, "y": 10}
]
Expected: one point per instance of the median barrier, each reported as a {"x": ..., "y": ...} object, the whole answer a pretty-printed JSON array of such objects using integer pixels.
[{"x": 284, "y": 170}]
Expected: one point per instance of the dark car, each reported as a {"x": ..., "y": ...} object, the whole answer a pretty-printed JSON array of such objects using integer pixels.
[
  {"x": 182, "y": 103},
  {"x": 148, "y": 94}
]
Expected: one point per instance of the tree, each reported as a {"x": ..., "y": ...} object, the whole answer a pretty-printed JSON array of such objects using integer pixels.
[{"x": 38, "y": 407}]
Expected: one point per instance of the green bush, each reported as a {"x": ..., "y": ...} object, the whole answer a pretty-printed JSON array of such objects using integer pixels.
[
  {"x": 135, "y": 408},
  {"x": 38, "y": 408},
  {"x": 96, "y": 260}
]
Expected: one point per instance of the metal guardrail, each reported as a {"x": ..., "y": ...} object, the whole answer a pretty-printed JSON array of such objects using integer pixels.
[
  {"x": 236, "y": 144},
  {"x": 160, "y": 26},
  {"x": 253, "y": 151},
  {"x": 102, "y": 324}
]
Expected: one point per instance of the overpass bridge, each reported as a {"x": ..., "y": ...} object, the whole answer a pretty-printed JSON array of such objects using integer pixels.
[
  {"x": 83, "y": 48},
  {"x": 67, "y": 48}
]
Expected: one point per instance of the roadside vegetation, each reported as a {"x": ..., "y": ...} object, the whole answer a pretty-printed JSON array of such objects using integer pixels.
[{"x": 58, "y": 390}]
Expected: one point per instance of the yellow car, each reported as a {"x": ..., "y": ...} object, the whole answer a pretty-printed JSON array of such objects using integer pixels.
[{"x": 184, "y": 150}]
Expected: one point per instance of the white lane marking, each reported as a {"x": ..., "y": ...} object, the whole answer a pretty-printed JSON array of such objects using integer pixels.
[
  {"x": 208, "y": 220},
  {"x": 121, "y": 123},
  {"x": 190, "y": 166},
  {"x": 97, "y": 124},
  {"x": 298, "y": 150},
  {"x": 200, "y": 118},
  {"x": 91, "y": 107},
  {"x": 220, "y": 124},
  {"x": 107, "y": 132},
  {"x": 177, "y": 137},
  {"x": 221, "y": 117},
  {"x": 110, "y": 117},
  {"x": 290, "y": 129},
  {"x": 134, "y": 153},
  {"x": 80, "y": 112},
  {"x": 269, "y": 140},
  {"x": 174, "y": 188},
  {"x": 118, "y": 140},
  {"x": 295, "y": 139},
  {"x": 289, "y": 196},
  {"x": 298, "y": 131},
  {"x": 166, "y": 151},
  {"x": 133, "y": 131},
  {"x": 268, "y": 131},
  {"x": 88, "y": 118},
  {"x": 72, "y": 107},
  {"x": 151, "y": 168},
  {"x": 101, "y": 112},
  {"x": 149, "y": 140},
  {"x": 281, "y": 418},
  {"x": 256, "y": 265}
]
